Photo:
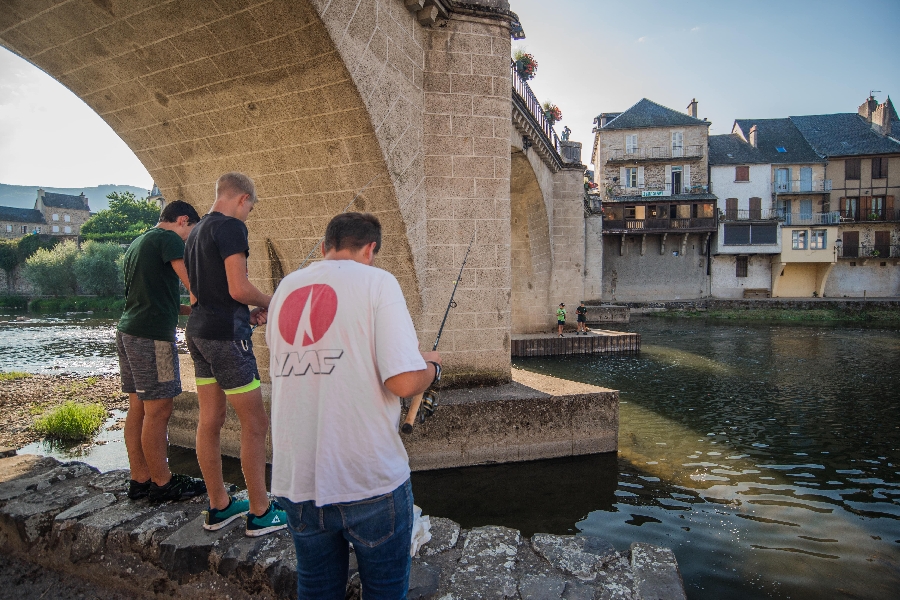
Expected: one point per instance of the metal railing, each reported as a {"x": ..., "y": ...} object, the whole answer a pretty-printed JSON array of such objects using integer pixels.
[
  {"x": 881, "y": 214},
  {"x": 869, "y": 251},
  {"x": 523, "y": 94},
  {"x": 758, "y": 214},
  {"x": 655, "y": 152},
  {"x": 823, "y": 218},
  {"x": 799, "y": 186},
  {"x": 659, "y": 224},
  {"x": 665, "y": 189}
]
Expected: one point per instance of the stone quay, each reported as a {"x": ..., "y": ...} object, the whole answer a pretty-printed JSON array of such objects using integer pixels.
[{"x": 70, "y": 518}]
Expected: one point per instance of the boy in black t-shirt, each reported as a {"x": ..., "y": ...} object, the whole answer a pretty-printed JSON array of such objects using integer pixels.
[{"x": 581, "y": 313}]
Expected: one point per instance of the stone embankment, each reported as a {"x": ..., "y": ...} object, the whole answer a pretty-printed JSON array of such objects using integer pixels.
[{"x": 70, "y": 518}]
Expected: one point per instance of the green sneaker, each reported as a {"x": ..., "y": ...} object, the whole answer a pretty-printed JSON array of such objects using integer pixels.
[
  {"x": 217, "y": 519},
  {"x": 273, "y": 520}
]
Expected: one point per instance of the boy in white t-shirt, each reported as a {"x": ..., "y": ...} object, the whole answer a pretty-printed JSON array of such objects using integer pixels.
[{"x": 343, "y": 351}]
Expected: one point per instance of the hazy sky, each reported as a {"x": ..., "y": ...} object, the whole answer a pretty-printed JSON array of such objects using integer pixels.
[{"x": 762, "y": 59}]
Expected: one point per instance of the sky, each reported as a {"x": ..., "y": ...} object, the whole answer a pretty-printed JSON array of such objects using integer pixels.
[{"x": 762, "y": 59}]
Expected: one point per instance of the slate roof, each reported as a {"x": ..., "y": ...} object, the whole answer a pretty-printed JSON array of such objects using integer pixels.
[
  {"x": 730, "y": 149},
  {"x": 650, "y": 114},
  {"x": 21, "y": 215},
  {"x": 772, "y": 134},
  {"x": 844, "y": 134},
  {"x": 65, "y": 201}
]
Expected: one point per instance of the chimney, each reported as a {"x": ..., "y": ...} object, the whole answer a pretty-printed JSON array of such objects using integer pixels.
[
  {"x": 868, "y": 107},
  {"x": 753, "y": 138},
  {"x": 692, "y": 108},
  {"x": 604, "y": 119}
]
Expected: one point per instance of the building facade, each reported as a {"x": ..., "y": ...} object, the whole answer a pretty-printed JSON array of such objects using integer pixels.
[
  {"x": 651, "y": 167},
  {"x": 54, "y": 214}
]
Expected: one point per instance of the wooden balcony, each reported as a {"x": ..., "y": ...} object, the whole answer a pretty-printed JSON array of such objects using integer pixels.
[
  {"x": 625, "y": 155},
  {"x": 678, "y": 225}
]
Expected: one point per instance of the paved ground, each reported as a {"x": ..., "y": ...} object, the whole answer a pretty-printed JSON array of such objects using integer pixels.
[{"x": 24, "y": 580}]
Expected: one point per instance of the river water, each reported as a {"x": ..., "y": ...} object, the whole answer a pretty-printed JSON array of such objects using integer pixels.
[{"x": 767, "y": 456}]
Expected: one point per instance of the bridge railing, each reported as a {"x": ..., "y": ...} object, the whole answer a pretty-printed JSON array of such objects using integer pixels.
[{"x": 522, "y": 92}]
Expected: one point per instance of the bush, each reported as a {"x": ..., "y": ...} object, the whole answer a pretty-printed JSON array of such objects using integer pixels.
[
  {"x": 14, "y": 302},
  {"x": 126, "y": 218},
  {"x": 51, "y": 271},
  {"x": 13, "y": 375},
  {"x": 71, "y": 421},
  {"x": 98, "y": 271},
  {"x": 76, "y": 304}
]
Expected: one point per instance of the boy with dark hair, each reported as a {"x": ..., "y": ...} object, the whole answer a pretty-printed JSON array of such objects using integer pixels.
[
  {"x": 581, "y": 317},
  {"x": 561, "y": 318},
  {"x": 218, "y": 338},
  {"x": 148, "y": 360},
  {"x": 344, "y": 351}
]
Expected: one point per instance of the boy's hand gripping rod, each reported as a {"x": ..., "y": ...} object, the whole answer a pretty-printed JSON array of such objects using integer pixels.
[{"x": 431, "y": 401}]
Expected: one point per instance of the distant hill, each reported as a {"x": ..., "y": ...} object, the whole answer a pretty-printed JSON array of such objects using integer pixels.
[{"x": 23, "y": 196}]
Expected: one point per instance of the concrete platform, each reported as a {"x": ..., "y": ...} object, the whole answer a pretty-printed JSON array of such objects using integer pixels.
[
  {"x": 597, "y": 341},
  {"x": 533, "y": 417}
]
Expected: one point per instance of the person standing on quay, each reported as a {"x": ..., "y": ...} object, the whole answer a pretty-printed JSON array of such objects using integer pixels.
[
  {"x": 148, "y": 359},
  {"x": 561, "y": 318},
  {"x": 344, "y": 351},
  {"x": 218, "y": 336},
  {"x": 581, "y": 317}
]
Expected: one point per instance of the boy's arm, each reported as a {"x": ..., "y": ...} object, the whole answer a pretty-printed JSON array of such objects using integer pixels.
[
  {"x": 181, "y": 271},
  {"x": 239, "y": 286}
]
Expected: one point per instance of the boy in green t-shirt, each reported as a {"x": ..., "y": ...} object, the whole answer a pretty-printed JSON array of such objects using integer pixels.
[
  {"x": 148, "y": 359},
  {"x": 561, "y": 318}
]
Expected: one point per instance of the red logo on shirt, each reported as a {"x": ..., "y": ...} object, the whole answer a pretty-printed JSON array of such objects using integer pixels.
[{"x": 309, "y": 310}]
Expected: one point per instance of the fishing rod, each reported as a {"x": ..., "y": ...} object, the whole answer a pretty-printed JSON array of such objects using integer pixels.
[
  {"x": 322, "y": 239},
  {"x": 428, "y": 399}
]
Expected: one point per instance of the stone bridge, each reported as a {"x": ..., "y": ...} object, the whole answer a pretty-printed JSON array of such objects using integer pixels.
[{"x": 316, "y": 98}]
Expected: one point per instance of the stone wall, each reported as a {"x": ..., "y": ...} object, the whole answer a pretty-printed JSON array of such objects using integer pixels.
[
  {"x": 593, "y": 257},
  {"x": 726, "y": 284},
  {"x": 657, "y": 274}
]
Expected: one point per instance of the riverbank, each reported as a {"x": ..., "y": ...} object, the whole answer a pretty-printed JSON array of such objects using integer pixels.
[
  {"x": 51, "y": 305},
  {"x": 24, "y": 398},
  {"x": 70, "y": 518}
]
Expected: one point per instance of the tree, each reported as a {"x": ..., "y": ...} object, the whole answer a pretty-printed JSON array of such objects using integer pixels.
[
  {"x": 9, "y": 260},
  {"x": 51, "y": 271},
  {"x": 98, "y": 270},
  {"x": 125, "y": 219},
  {"x": 33, "y": 242}
]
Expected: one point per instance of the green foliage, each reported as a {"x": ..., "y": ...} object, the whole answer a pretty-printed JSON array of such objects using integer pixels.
[
  {"x": 33, "y": 242},
  {"x": 125, "y": 219},
  {"x": 77, "y": 304},
  {"x": 789, "y": 315},
  {"x": 71, "y": 421},
  {"x": 14, "y": 302},
  {"x": 13, "y": 375},
  {"x": 9, "y": 255},
  {"x": 51, "y": 271},
  {"x": 98, "y": 269}
]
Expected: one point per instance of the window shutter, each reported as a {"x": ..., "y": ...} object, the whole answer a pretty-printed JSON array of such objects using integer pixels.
[
  {"x": 622, "y": 181},
  {"x": 865, "y": 207},
  {"x": 640, "y": 177},
  {"x": 889, "y": 208},
  {"x": 686, "y": 178},
  {"x": 669, "y": 178},
  {"x": 842, "y": 205}
]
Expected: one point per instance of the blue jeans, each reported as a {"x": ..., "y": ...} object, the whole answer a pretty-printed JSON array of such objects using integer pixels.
[{"x": 381, "y": 531}]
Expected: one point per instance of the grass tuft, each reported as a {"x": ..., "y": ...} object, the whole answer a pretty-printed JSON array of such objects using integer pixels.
[
  {"x": 13, "y": 375},
  {"x": 71, "y": 421}
]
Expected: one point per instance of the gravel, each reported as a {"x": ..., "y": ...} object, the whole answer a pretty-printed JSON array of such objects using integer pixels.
[
  {"x": 20, "y": 579},
  {"x": 23, "y": 400}
]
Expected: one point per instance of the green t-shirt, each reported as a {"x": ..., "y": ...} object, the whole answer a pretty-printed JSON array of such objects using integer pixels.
[
  {"x": 151, "y": 285},
  {"x": 560, "y": 314}
]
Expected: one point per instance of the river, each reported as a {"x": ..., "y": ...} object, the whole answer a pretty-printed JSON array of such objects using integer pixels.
[{"x": 765, "y": 455}]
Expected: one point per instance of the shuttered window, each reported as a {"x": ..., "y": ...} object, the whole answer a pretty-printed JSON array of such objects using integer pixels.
[
  {"x": 742, "y": 173},
  {"x": 879, "y": 167},
  {"x": 851, "y": 168},
  {"x": 756, "y": 208},
  {"x": 740, "y": 266},
  {"x": 731, "y": 209}
]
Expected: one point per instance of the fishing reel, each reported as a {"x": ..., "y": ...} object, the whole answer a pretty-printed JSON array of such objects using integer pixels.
[{"x": 429, "y": 404}]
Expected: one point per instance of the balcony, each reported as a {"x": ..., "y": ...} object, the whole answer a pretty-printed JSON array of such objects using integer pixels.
[
  {"x": 802, "y": 186},
  {"x": 651, "y": 190},
  {"x": 869, "y": 251},
  {"x": 872, "y": 216},
  {"x": 683, "y": 225},
  {"x": 823, "y": 218},
  {"x": 654, "y": 153},
  {"x": 757, "y": 214}
]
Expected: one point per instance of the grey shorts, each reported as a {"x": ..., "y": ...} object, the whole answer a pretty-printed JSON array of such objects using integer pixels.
[
  {"x": 148, "y": 368},
  {"x": 231, "y": 364}
]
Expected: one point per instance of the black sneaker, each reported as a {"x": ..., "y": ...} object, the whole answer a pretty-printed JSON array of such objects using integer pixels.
[
  {"x": 180, "y": 487},
  {"x": 138, "y": 490}
]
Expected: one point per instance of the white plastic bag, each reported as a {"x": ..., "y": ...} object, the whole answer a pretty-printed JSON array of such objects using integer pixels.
[{"x": 421, "y": 531}]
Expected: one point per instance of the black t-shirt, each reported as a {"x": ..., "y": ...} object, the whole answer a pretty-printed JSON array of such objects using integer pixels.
[
  {"x": 581, "y": 311},
  {"x": 215, "y": 315}
]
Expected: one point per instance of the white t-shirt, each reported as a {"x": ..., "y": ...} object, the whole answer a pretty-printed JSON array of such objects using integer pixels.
[{"x": 336, "y": 331}]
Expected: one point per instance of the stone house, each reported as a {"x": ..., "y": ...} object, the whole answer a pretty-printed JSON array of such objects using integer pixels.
[
  {"x": 54, "y": 214},
  {"x": 863, "y": 154},
  {"x": 765, "y": 174},
  {"x": 658, "y": 213}
]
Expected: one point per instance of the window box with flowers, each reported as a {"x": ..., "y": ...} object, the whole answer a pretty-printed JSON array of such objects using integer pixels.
[{"x": 526, "y": 66}]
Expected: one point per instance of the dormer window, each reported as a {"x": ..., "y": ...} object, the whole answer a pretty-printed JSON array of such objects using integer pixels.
[
  {"x": 55, "y": 217},
  {"x": 781, "y": 149}
]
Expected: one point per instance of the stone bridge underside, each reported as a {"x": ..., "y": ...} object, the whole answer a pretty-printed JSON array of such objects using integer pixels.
[{"x": 313, "y": 99}]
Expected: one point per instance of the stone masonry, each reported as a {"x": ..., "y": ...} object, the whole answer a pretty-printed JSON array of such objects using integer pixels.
[{"x": 70, "y": 518}]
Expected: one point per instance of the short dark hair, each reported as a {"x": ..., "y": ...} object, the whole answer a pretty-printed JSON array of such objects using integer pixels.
[
  {"x": 179, "y": 208},
  {"x": 353, "y": 230}
]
